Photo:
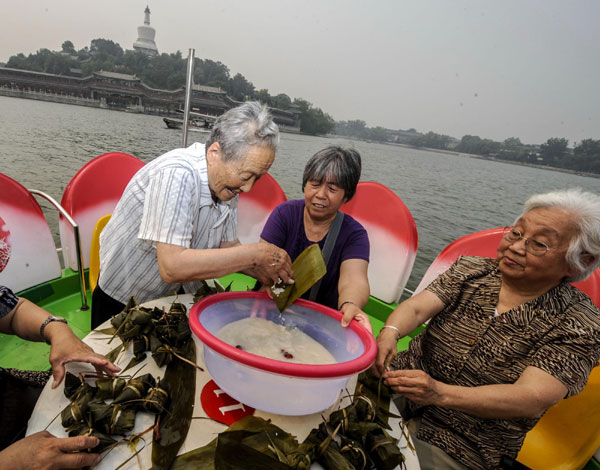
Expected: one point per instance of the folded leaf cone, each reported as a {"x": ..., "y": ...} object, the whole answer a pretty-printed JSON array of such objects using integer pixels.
[{"x": 308, "y": 268}]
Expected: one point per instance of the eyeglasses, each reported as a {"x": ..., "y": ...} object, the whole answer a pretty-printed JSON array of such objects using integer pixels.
[{"x": 532, "y": 246}]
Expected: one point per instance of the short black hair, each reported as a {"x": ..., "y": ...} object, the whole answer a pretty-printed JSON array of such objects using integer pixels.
[{"x": 340, "y": 166}]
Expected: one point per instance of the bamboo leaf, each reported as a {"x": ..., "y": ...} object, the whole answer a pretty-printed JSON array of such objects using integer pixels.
[
  {"x": 174, "y": 426},
  {"x": 112, "y": 356},
  {"x": 107, "y": 331},
  {"x": 308, "y": 268}
]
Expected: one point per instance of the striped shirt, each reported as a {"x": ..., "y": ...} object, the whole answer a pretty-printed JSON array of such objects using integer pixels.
[
  {"x": 167, "y": 201},
  {"x": 467, "y": 345}
]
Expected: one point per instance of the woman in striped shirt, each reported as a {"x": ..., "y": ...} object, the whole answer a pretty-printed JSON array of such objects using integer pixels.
[{"x": 176, "y": 223}]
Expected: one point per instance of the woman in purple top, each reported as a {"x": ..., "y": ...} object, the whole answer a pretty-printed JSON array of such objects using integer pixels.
[{"x": 329, "y": 180}]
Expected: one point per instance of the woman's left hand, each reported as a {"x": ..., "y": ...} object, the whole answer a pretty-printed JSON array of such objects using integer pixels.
[
  {"x": 416, "y": 385},
  {"x": 66, "y": 347},
  {"x": 349, "y": 311}
]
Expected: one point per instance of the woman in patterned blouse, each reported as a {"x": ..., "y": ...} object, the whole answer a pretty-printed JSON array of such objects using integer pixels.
[{"x": 507, "y": 338}]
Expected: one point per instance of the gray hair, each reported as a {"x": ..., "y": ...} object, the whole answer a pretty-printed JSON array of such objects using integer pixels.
[
  {"x": 243, "y": 127},
  {"x": 340, "y": 166},
  {"x": 585, "y": 207}
]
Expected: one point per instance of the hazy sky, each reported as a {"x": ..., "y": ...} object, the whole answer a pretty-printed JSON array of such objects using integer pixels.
[{"x": 497, "y": 69}]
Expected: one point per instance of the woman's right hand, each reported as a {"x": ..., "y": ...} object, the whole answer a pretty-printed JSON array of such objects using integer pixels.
[
  {"x": 273, "y": 265},
  {"x": 387, "y": 345},
  {"x": 43, "y": 451}
]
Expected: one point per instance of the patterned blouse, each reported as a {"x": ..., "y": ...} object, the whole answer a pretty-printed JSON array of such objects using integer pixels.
[
  {"x": 466, "y": 344},
  {"x": 8, "y": 301}
]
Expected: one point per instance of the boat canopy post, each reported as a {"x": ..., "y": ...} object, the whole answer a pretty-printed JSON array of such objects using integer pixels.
[
  {"x": 67, "y": 216},
  {"x": 188, "y": 95}
]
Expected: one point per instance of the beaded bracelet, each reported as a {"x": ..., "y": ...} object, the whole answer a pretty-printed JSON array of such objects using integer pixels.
[
  {"x": 344, "y": 303},
  {"x": 398, "y": 334}
]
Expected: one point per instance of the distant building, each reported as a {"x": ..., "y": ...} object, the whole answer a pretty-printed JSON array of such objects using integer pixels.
[
  {"x": 145, "y": 41},
  {"x": 125, "y": 92}
]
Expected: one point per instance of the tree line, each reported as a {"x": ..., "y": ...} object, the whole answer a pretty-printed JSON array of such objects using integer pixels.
[
  {"x": 555, "y": 152},
  {"x": 167, "y": 72}
]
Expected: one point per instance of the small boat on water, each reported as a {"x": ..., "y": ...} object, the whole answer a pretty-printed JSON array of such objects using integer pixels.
[{"x": 197, "y": 122}]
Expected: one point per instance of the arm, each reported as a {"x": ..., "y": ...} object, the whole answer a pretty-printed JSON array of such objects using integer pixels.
[
  {"x": 406, "y": 317},
  {"x": 264, "y": 261},
  {"x": 25, "y": 321},
  {"x": 532, "y": 394},
  {"x": 353, "y": 288}
]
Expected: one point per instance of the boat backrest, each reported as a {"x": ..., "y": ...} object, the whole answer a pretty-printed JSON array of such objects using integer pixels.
[
  {"x": 568, "y": 434},
  {"x": 392, "y": 236},
  {"x": 27, "y": 251},
  {"x": 255, "y": 206},
  {"x": 93, "y": 192},
  {"x": 94, "y": 270},
  {"x": 485, "y": 243}
]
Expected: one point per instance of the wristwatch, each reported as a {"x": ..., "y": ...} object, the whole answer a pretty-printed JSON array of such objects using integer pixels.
[{"x": 50, "y": 319}]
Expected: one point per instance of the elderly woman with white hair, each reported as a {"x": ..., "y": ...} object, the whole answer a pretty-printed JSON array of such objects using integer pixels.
[
  {"x": 507, "y": 338},
  {"x": 176, "y": 222}
]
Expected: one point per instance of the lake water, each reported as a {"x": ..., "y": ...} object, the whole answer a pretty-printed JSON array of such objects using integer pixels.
[{"x": 42, "y": 145}]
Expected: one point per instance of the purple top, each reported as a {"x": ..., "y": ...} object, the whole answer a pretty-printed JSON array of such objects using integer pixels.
[{"x": 285, "y": 228}]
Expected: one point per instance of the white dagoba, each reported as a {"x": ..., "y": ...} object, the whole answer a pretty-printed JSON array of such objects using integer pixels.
[{"x": 145, "y": 41}]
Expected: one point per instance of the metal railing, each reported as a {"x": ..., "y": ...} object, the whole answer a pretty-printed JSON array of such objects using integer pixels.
[
  {"x": 68, "y": 218},
  {"x": 188, "y": 95}
]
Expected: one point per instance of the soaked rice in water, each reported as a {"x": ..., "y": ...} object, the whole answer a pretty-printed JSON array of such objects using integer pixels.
[{"x": 265, "y": 338}]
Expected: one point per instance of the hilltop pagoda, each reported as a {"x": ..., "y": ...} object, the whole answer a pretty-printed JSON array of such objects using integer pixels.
[{"x": 145, "y": 41}]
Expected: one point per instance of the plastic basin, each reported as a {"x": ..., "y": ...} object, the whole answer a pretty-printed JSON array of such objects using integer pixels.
[{"x": 278, "y": 386}]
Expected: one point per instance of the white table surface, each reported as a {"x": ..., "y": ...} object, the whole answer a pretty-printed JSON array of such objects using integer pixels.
[{"x": 46, "y": 414}]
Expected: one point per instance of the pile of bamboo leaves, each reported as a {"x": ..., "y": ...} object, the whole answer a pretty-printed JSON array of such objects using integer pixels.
[
  {"x": 353, "y": 438},
  {"x": 168, "y": 337},
  {"x": 109, "y": 408}
]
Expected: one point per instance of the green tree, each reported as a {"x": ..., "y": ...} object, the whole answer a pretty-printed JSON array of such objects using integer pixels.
[
  {"x": 281, "y": 101},
  {"x": 18, "y": 61},
  {"x": 378, "y": 133},
  {"x": 210, "y": 73},
  {"x": 314, "y": 120},
  {"x": 587, "y": 156},
  {"x": 102, "y": 48},
  {"x": 68, "y": 47},
  {"x": 167, "y": 71},
  {"x": 263, "y": 96},
  {"x": 512, "y": 143},
  {"x": 431, "y": 140},
  {"x": 240, "y": 88},
  {"x": 554, "y": 149}
]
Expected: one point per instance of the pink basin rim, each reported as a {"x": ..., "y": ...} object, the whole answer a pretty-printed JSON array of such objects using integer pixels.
[{"x": 320, "y": 371}]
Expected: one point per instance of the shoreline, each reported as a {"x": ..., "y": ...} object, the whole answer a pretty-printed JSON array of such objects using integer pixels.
[{"x": 472, "y": 155}]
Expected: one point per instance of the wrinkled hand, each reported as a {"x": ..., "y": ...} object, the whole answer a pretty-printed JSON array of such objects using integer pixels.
[
  {"x": 43, "y": 451},
  {"x": 66, "y": 347},
  {"x": 273, "y": 265},
  {"x": 416, "y": 385},
  {"x": 350, "y": 311},
  {"x": 387, "y": 348}
]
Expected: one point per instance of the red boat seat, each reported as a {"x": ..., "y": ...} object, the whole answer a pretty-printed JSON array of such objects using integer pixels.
[
  {"x": 27, "y": 251},
  {"x": 255, "y": 206},
  {"x": 569, "y": 433},
  {"x": 92, "y": 193},
  {"x": 485, "y": 243},
  {"x": 392, "y": 236}
]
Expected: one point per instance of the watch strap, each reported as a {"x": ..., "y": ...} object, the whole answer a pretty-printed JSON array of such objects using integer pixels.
[{"x": 48, "y": 320}]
